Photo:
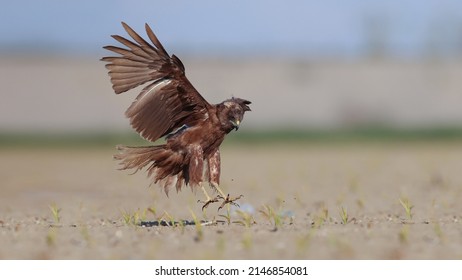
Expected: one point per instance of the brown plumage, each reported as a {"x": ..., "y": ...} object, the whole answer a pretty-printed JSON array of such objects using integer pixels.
[{"x": 169, "y": 106}]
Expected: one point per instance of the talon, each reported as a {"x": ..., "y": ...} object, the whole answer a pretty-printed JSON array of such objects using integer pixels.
[
  {"x": 206, "y": 203},
  {"x": 230, "y": 201},
  {"x": 222, "y": 204}
]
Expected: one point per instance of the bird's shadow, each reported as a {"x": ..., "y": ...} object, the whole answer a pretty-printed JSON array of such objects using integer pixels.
[{"x": 163, "y": 223}]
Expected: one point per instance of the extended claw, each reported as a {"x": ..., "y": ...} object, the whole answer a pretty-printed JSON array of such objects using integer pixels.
[
  {"x": 209, "y": 201},
  {"x": 228, "y": 200}
]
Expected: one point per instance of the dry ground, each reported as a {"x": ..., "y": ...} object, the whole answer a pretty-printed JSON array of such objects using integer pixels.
[{"x": 307, "y": 186}]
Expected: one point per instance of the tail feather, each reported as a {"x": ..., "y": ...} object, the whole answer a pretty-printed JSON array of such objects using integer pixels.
[{"x": 162, "y": 164}]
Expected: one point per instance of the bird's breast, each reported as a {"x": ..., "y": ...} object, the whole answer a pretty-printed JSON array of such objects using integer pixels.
[{"x": 208, "y": 137}]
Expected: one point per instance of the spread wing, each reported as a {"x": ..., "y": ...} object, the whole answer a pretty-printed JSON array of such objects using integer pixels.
[{"x": 169, "y": 101}]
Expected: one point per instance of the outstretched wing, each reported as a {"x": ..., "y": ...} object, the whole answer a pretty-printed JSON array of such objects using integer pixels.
[{"x": 169, "y": 101}]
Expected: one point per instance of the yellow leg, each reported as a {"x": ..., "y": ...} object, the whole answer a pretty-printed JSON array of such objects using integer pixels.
[
  {"x": 208, "y": 198},
  {"x": 216, "y": 188}
]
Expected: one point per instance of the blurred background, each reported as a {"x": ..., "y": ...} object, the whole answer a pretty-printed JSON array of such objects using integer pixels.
[
  {"x": 310, "y": 68},
  {"x": 384, "y": 76}
]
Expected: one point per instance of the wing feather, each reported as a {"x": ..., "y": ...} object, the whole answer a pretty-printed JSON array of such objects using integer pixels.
[
  {"x": 124, "y": 69},
  {"x": 154, "y": 39},
  {"x": 169, "y": 101},
  {"x": 128, "y": 54},
  {"x": 136, "y": 49}
]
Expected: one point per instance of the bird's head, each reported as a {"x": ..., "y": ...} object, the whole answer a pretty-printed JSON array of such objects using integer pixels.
[{"x": 232, "y": 113}]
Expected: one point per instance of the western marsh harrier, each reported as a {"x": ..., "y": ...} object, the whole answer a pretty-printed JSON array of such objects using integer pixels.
[{"x": 169, "y": 106}]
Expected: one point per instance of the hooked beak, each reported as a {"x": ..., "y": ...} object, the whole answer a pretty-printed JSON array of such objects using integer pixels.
[{"x": 236, "y": 124}]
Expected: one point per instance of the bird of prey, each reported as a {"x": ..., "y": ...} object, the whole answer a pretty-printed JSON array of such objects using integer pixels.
[{"x": 169, "y": 106}]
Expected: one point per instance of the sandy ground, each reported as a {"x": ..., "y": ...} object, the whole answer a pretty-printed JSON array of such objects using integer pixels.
[{"x": 307, "y": 186}]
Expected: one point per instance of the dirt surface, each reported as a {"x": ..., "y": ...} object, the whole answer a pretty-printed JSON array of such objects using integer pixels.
[{"x": 295, "y": 205}]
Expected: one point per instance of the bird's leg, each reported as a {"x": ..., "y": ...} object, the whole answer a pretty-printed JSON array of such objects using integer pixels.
[
  {"x": 208, "y": 199},
  {"x": 226, "y": 198},
  {"x": 213, "y": 174}
]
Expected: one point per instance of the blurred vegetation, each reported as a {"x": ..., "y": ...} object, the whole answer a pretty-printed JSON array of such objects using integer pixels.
[
  {"x": 365, "y": 134},
  {"x": 380, "y": 134}
]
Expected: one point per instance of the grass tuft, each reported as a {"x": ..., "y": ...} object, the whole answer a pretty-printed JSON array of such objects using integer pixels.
[
  {"x": 344, "y": 215},
  {"x": 321, "y": 218},
  {"x": 198, "y": 226},
  {"x": 407, "y": 205},
  {"x": 273, "y": 216},
  {"x": 131, "y": 219},
  {"x": 55, "y": 211},
  {"x": 227, "y": 217},
  {"x": 167, "y": 218},
  {"x": 246, "y": 220}
]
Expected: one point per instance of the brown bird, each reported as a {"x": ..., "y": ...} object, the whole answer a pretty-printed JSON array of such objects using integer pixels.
[{"x": 169, "y": 106}]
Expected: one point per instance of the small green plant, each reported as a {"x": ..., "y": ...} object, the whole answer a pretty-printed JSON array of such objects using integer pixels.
[
  {"x": 85, "y": 234},
  {"x": 269, "y": 213},
  {"x": 143, "y": 215},
  {"x": 51, "y": 237},
  {"x": 152, "y": 210},
  {"x": 439, "y": 232},
  {"x": 126, "y": 217},
  {"x": 55, "y": 211},
  {"x": 198, "y": 225},
  {"x": 136, "y": 218},
  {"x": 344, "y": 215},
  {"x": 321, "y": 218},
  {"x": 403, "y": 234},
  {"x": 167, "y": 218},
  {"x": 182, "y": 226},
  {"x": 247, "y": 241},
  {"x": 227, "y": 217},
  {"x": 246, "y": 220},
  {"x": 303, "y": 242},
  {"x": 131, "y": 219},
  {"x": 324, "y": 214},
  {"x": 407, "y": 207}
]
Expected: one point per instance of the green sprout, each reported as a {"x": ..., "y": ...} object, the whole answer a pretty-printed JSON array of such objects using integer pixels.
[
  {"x": 56, "y": 212},
  {"x": 198, "y": 225},
  {"x": 269, "y": 213},
  {"x": 246, "y": 218},
  {"x": 169, "y": 219},
  {"x": 321, "y": 218},
  {"x": 407, "y": 207},
  {"x": 131, "y": 219},
  {"x": 227, "y": 216},
  {"x": 344, "y": 215}
]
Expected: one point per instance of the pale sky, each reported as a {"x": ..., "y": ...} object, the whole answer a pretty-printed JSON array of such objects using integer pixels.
[{"x": 329, "y": 27}]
